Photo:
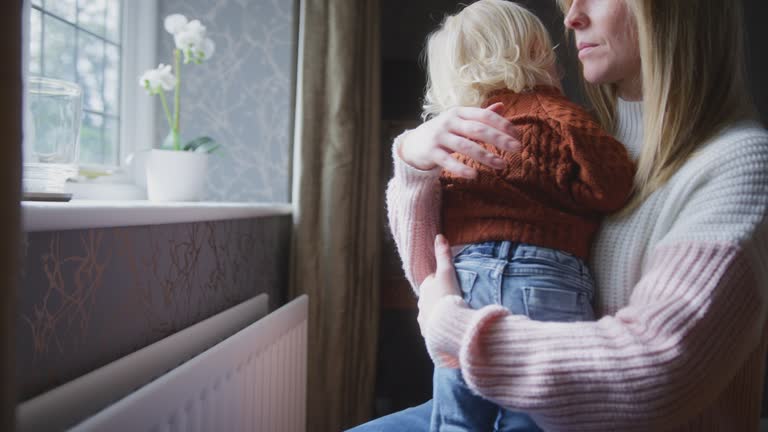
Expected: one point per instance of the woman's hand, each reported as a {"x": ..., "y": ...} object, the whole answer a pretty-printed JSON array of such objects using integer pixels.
[
  {"x": 439, "y": 284},
  {"x": 431, "y": 144}
]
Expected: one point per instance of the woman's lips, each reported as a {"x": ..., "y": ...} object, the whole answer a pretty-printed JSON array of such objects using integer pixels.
[{"x": 585, "y": 48}]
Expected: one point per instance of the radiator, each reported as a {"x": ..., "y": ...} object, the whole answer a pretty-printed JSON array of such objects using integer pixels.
[
  {"x": 70, "y": 403},
  {"x": 254, "y": 380}
]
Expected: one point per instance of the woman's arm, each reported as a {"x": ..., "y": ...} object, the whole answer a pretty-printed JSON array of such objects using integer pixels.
[
  {"x": 693, "y": 320},
  {"x": 414, "y": 195},
  {"x": 655, "y": 364},
  {"x": 413, "y": 208}
]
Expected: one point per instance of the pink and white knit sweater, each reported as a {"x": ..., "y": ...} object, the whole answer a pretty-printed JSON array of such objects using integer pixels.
[{"x": 682, "y": 291}]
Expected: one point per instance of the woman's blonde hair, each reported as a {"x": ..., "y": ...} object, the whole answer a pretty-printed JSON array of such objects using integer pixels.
[
  {"x": 490, "y": 45},
  {"x": 693, "y": 82}
]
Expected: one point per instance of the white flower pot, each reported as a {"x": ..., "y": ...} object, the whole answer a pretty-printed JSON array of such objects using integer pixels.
[{"x": 176, "y": 175}]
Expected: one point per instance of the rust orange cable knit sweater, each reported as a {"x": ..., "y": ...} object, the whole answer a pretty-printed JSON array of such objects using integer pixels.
[{"x": 554, "y": 192}]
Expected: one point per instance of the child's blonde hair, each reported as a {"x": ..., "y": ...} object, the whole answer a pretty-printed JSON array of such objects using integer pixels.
[{"x": 488, "y": 46}]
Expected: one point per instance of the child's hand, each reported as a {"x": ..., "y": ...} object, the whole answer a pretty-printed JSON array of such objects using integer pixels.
[
  {"x": 438, "y": 285},
  {"x": 431, "y": 144}
]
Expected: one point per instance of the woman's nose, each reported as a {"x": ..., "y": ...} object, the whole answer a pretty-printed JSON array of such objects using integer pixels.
[{"x": 576, "y": 19}]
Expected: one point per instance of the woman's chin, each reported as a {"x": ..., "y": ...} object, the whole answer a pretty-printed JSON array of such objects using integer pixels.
[{"x": 596, "y": 76}]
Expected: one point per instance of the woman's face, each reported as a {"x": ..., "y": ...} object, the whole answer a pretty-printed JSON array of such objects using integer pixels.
[{"x": 606, "y": 38}]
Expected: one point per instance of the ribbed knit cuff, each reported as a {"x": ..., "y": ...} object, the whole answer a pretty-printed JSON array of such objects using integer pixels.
[
  {"x": 453, "y": 327},
  {"x": 450, "y": 317},
  {"x": 407, "y": 173}
]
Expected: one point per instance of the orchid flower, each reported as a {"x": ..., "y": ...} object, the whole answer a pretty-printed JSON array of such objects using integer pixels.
[
  {"x": 190, "y": 37},
  {"x": 191, "y": 40},
  {"x": 157, "y": 80}
]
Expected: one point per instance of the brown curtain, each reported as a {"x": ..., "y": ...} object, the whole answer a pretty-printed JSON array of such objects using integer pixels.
[
  {"x": 10, "y": 194},
  {"x": 335, "y": 248}
]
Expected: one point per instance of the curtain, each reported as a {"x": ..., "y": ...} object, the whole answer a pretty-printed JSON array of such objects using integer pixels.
[
  {"x": 10, "y": 195},
  {"x": 338, "y": 205}
]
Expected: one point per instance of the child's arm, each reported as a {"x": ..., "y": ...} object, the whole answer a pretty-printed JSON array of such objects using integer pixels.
[
  {"x": 604, "y": 173},
  {"x": 413, "y": 207}
]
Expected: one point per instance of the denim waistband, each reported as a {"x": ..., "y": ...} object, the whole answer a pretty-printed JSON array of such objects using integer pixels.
[
  {"x": 497, "y": 249},
  {"x": 519, "y": 252}
]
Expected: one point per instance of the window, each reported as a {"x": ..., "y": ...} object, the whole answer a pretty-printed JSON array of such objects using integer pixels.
[
  {"x": 243, "y": 97},
  {"x": 80, "y": 41}
]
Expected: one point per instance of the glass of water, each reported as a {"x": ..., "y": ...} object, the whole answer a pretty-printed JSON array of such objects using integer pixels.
[{"x": 52, "y": 129}]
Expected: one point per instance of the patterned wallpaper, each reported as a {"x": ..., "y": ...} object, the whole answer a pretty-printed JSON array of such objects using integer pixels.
[
  {"x": 242, "y": 96},
  {"x": 91, "y": 296}
]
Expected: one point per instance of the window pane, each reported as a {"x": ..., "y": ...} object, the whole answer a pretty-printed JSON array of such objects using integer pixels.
[
  {"x": 90, "y": 70},
  {"x": 91, "y": 139},
  {"x": 92, "y": 15},
  {"x": 111, "y": 140},
  {"x": 35, "y": 68},
  {"x": 79, "y": 41},
  {"x": 113, "y": 20},
  {"x": 112, "y": 79},
  {"x": 66, "y": 9},
  {"x": 58, "y": 49}
]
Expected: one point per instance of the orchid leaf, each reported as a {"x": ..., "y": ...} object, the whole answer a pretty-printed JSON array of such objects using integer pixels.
[
  {"x": 202, "y": 144},
  {"x": 212, "y": 149}
]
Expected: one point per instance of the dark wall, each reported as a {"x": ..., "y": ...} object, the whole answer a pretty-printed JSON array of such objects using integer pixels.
[
  {"x": 757, "y": 61},
  {"x": 10, "y": 194},
  {"x": 91, "y": 296}
]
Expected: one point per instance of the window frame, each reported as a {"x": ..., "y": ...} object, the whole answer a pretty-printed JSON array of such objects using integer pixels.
[{"x": 137, "y": 131}]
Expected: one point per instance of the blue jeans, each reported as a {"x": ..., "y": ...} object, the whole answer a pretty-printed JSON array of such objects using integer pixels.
[{"x": 543, "y": 284}]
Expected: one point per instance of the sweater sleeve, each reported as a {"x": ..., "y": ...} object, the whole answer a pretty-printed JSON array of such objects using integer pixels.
[
  {"x": 695, "y": 316},
  {"x": 413, "y": 208},
  {"x": 601, "y": 174}
]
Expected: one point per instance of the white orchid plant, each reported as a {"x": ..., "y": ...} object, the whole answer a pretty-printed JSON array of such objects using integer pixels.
[{"x": 192, "y": 41}]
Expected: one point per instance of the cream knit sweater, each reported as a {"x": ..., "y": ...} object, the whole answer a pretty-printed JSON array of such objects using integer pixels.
[{"x": 682, "y": 285}]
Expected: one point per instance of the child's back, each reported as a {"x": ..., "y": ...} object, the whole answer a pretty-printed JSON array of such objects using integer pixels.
[
  {"x": 569, "y": 172},
  {"x": 553, "y": 193}
]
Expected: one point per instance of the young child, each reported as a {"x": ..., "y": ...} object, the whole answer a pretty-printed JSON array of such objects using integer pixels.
[{"x": 521, "y": 234}]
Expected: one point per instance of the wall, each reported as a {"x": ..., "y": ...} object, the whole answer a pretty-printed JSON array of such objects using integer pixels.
[
  {"x": 242, "y": 96},
  {"x": 10, "y": 194},
  {"x": 89, "y": 297},
  {"x": 757, "y": 62}
]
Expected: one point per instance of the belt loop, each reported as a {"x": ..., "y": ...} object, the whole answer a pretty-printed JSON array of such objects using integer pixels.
[{"x": 504, "y": 249}]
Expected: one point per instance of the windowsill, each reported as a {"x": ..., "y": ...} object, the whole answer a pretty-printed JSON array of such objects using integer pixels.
[{"x": 81, "y": 214}]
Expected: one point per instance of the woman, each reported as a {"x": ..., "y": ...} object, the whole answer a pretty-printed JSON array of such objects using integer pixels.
[{"x": 681, "y": 272}]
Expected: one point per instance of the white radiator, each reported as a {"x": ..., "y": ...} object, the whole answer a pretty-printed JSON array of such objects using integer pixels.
[
  {"x": 254, "y": 380},
  {"x": 71, "y": 403}
]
